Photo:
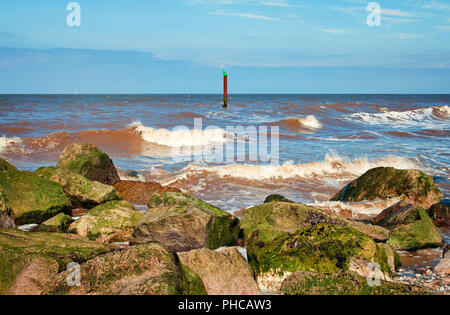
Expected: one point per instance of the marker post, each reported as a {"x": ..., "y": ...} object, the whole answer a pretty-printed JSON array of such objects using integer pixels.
[{"x": 225, "y": 89}]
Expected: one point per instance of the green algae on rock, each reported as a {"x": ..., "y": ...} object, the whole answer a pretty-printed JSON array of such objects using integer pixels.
[
  {"x": 111, "y": 222},
  {"x": 29, "y": 260},
  {"x": 342, "y": 283},
  {"x": 192, "y": 283},
  {"x": 417, "y": 231},
  {"x": 183, "y": 223},
  {"x": 6, "y": 214},
  {"x": 413, "y": 186},
  {"x": 223, "y": 272},
  {"x": 90, "y": 162},
  {"x": 32, "y": 199},
  {"x": 6, "y": 167},
  {"x": 277, "y": 198},
  {"x": 149, "y": 269},
  {"x": 58, "y": 224},
  {"x": 323, "y": 248},
  {"x": 79, "y": 189}
]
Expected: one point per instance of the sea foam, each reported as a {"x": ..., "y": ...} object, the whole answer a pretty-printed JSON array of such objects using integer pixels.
[{"x": 5, "y": 142}]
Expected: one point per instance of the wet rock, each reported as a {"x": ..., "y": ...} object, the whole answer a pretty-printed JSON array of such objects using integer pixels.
[
  {"x": 32, "y": 199},
  {"x": 223, "y": 272},
  {"x": 443, "y": 267},
  {"x": 6, "y": 214},
  {"x": 82, "y": 191},
  {"x": 90, "y": 162},
  {"x": 140, "y": 193},
  {"x": 28, "y": 261},
  {"x": 184, "y": 223},
  {"x": 323, "y": 248},
  {"x": 440, "y": 213},
  {"x": 150, "y": 269},
  {"x": 342, "y": 283},
  {"x": 413, "y": 186},
  {"x": 58, "y": 224},
  {"x": 108, "y": 223},
  {"x": 277, "y": 198}
]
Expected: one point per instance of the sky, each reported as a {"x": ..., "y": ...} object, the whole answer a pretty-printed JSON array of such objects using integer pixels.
[{"x": 267, "y": 46}]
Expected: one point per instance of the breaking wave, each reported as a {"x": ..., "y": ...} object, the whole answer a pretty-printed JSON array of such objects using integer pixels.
[
  {"x": 5, "y": 142},
  {"x": 307, "y": 123}
]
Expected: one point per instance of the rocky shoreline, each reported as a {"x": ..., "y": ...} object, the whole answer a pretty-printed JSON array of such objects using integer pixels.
[{"x": 81, "y": 213}]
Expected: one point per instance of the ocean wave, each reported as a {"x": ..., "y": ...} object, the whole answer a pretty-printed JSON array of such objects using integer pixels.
[
  {"x": 332, "y": 166},
  {"x": 307, "y": 123},
  {"x": 5, "y": 142},
  {"x": 181, "y": 137},
  {"x": 421, "y": 116}
]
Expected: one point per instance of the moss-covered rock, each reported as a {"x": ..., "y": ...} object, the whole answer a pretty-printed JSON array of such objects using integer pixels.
[
  {"x": 111, "y": 222},
  {"x": 150, "y": 269},
  {"x": 323, "y": 248},
  {"x": 90, "y": 162},
  {"x": 223, "y": 272},
  {"x": 183, "y": 223},
  {"x": 33, "y": 199},
  {"x": 342, "y": 283},
  {"x": 440, "y": 213},
  {"x": 277, "y": 198},
  {"x": 416, "y": 230},
  {"x": 81, "y": 191},
  {"x": 140, "y": 193},
  {"x": 6, "y": 214},
  {"x": 192, "y": 283},
  {"x": 6, "y": 167},
  {"x": 413, "y": 186},
  {"x": 58, "y": 224},
  {"x": 29, "y": 260}
]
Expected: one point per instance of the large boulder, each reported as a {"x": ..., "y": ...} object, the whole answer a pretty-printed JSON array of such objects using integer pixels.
[
  {"x": 223, "y": 272},
  {"x": 32, "y": 199},
  {"x": 139, "y": 192},
  {"x": 58, "y": 224},
  {"x": 184, "y": 223},
  {"x": 90, "y": 162},
  {"x": 28, "y": 261},
  {"x": 277, "y": 218},
  {"x": 342, "y": 283},
  {"x": 411, "y": 227},
  {"x": 322, "y": 248},
  {"x": 444, "y": 265},
  {"x": 150, "y": 269},
  {"x": 82, "y": 191},
  {"x": 276, "y": 198},
  {"x": 6, "y": 214},
  {"x": 6, "y": 167},
  {"x": 413, "y": 186},
  {"x": 440, "y": 213},
  {"x": 108, "y": 223}
]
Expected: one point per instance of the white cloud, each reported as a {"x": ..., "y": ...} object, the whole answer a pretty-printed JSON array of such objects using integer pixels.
[
  {"x": 406, "y": 36},
  {"x": 336, "y": 31},
  {"x": 245, "y": 15},
  {"x": 443, "y": 28}
]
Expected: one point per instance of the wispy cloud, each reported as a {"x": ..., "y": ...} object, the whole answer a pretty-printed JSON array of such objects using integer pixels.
[
  {"x": 406, "y": 36},
  {"x": 245, "y": 15},
  {"x": 337, "y": 31},
  {"x": 443, "y": 28}
]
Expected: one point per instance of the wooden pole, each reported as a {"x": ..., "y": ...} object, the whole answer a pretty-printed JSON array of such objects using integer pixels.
[{"x": 225, "y": 89}]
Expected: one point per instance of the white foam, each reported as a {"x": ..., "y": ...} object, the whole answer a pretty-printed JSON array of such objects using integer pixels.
[
  {"x": 5, "y": 142},
  {"x": 332, "y": 166},
  {"x": 180, "y": 138},
  {"x": 310, "y": 122},
  {"x": 421, "y": 116}
]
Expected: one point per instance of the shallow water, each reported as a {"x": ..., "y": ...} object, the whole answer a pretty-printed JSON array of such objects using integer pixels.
[{"x": 325, "y": 141}]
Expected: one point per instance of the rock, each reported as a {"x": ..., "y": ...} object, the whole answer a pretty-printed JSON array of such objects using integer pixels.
[
  {"x": 277, "y": 198},
  {"x": 90, "y": 162},
  {"x": 323, "y": 248},
  {"x": 149, "y": 269},
  {"x": 342, "y": 283},
  {"x": 82, "y": 191},
  {"x": 223, "y": 272},
  {"x": 444, "y": 265},
  {"x": 440, "y": 213},
  {"x": 392, "y": 256},
  {"x": 413, "y": 186},
  {"x": 6, "y": 214},
  {"x": 140, "y": 193},
  {"x": 184, "y": 223},
  {"x": 29, "y": 260},
  {"x": 412, "y": 228},
  {"x": 32, "y": 199},
  {"x": 6, "y": 167},
  {"x": 58, "y": 224},
  {"x": 276, "y": 218},
  {"x": 192, "y": 283},
  {"x": 108, "y": 223}
]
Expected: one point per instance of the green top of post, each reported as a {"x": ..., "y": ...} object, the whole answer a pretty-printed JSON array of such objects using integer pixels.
[{"x": 224, "y": 73}]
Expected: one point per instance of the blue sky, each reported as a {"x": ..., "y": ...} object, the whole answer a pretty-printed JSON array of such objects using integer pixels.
[{"x": 180, "y": 46}]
